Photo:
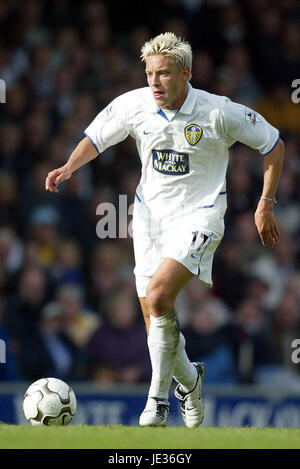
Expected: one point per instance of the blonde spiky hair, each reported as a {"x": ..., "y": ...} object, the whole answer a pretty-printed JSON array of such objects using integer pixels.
[{"x": 172, "y": 46}]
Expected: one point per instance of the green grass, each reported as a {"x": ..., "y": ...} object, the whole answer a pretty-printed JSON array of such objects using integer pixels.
[{"x": 123, "y": 437}]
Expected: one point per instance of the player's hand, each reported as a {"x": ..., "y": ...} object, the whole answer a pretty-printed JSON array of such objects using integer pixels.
[
  {"x": 266, "y": 224},
  {"x": 57, "y": 176}
]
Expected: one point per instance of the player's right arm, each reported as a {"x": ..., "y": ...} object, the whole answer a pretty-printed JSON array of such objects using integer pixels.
[
  {"x": 108, "y": 128},
  {"x": 83, "y": 153}
]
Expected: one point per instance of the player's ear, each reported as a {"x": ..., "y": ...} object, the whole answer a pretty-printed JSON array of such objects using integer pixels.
[{"x": 186, "y": 73}]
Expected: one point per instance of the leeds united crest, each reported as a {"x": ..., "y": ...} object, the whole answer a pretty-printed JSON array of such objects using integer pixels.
[{"x": 193, "y": 133}]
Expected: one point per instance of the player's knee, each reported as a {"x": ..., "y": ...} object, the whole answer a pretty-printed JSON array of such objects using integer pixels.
[{"x": 159, "y": 302}]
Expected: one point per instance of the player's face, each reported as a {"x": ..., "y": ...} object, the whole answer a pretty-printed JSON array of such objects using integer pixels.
[{"x": 167, "y": 82}]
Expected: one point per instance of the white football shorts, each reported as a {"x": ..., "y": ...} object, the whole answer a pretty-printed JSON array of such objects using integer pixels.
[{"x": 191, "y": 244}]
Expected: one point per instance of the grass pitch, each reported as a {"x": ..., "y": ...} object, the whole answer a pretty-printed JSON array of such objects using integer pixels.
[{"x": 123, "y": 437}]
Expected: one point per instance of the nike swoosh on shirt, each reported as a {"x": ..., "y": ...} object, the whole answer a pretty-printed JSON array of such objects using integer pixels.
[{"x": 146, "y": 133}]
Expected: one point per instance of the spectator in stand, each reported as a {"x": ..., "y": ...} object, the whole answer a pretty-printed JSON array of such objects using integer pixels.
[
  {"x": 190, "y": 297},
  {"x": 11, "y": 251},
  {"x": 105, "y": 267},
  {"x": 254, "y": 353},
  {"x": 8, "y": 371},
  {"x": 240, "y": 187},
  {"x": 79, "y": 322},
  {"x": 120, "y": 340},
  {"x": 229, "y": 276},
  {"x": 246, "y": 236},
  {"x": 33, "y": 196},
  {"x": 285, "y": 327},
  {"x": 275, "y": 269},
  {"x": 209, "y": 338},
  {"x": 236, "y": 66},
  {"x": 288, "y": 213},
  {"x": 44, "y": 230},
  {"x": 49, "y": 352},
  {"x": 68, "y": 265},
  {"x": 203, "y": 70},
  {"x": 278, "y": 107},
  {"x": 22, "y": 312},
  {"x": 11, "y": 137},
  {"x": 9, "y": 206}
]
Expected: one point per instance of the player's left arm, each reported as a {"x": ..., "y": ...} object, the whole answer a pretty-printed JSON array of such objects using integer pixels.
[
  {"x": 264, "y": 216},
  {"x": 237, "y": 122}
]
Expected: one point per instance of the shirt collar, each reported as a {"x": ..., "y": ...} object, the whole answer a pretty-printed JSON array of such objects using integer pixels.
[
  {"x": 190, "y": 101},
  {"x": 186, "y": 108}
]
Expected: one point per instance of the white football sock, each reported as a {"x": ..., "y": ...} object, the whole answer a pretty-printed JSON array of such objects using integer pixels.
[
  {"x": 184, "y": 373},
  {"x": 163, "y": 341}
]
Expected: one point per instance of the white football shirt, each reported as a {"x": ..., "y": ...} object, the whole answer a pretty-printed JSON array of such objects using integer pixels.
[{"x": 184, "y": 154}]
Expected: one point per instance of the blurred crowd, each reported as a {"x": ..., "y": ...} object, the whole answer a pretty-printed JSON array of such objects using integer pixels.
[{"x": 68, "y": 304}]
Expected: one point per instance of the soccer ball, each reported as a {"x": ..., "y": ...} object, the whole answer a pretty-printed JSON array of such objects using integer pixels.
[{"x": 49, "y": 401}]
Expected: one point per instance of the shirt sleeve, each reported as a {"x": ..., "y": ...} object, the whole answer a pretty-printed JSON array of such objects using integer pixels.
[
  {"x": 109, "y": 126},
  {"x": 240, "y": 123}
]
